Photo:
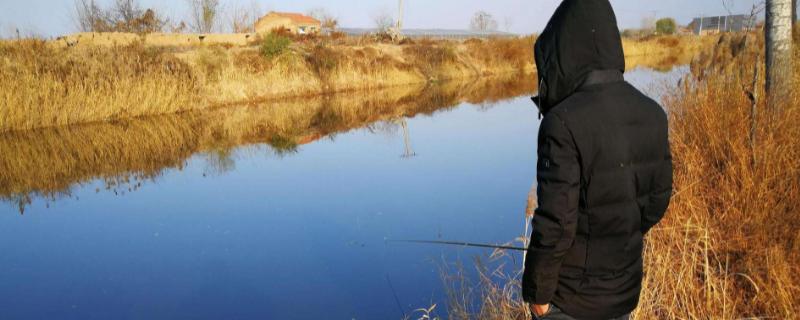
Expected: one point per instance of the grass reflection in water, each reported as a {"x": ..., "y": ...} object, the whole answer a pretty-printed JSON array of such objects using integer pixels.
[{"x": 47, "y": 163}]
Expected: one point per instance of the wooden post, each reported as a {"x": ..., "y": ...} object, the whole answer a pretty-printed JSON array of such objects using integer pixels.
[{"x": 754, "y": 113}]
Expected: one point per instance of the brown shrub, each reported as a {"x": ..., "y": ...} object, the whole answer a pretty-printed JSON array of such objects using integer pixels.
[
  {"x": 473, "y": 41},
  {"x": 323, "y": 60},
  {"x": 212, "y": 61},
  {"x": 430, "y": 57},
  {"x": 509, "y": 52},
  {"x": 337, "y": 35},
  {"x": 251, "y": 61},
  {"x": 669, "y": 41}
]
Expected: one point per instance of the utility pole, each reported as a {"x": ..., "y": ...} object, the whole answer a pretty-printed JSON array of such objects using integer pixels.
[
  {"x": 400, "y": 17},
  {"x": 726, "y": 24},
  {"x": 780, "y": 66},
  {"x": 409, "y": 151},
  {"x": 397, "y": 31},
  {"x": 702, "y": 16}
]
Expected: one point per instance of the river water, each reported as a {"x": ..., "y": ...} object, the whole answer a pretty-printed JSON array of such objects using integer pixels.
[{"x": 236, "y": 215}]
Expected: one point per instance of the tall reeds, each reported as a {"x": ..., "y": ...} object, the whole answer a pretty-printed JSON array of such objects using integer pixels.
[
  {"x": 43, "y": 85},
  {"x": 48, "y": 84}
]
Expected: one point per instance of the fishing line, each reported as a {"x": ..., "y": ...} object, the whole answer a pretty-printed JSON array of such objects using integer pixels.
[
  {"x": 463, "y": 244},
  {"x": 396, "y": 299}
]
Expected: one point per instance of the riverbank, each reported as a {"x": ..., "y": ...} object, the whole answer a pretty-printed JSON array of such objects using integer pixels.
[{"x": 50, "y": 84}]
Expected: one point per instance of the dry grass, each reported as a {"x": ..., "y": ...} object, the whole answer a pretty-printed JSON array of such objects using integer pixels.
[
  {"x": 55, "y": 85},
  {"x": 729, "y": 246},
  {"x": 47, "y": 86},
  {"x": 502, "y": 53},
  {"x": 664, "y": 52},
  {"x": 491, "y": 292}
]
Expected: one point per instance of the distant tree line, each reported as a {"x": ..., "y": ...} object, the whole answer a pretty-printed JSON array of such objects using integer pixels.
[{"x": 203, "y": 16}]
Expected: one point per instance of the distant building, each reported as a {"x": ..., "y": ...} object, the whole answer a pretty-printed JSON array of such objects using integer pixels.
[
  {"x": 444, "y": 34},
  {"x": 292, "y": 22},
  {"x": 718, "y": 24}
]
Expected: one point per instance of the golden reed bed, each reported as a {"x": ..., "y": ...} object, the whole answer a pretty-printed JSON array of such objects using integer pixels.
[{"x": 49, "y": 84}]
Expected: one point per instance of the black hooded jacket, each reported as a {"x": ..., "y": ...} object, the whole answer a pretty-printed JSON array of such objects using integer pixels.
[{"x": 604, "y": 168}]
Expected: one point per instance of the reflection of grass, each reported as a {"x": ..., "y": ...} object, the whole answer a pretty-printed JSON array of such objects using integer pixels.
[
  {"x": 283, "y": 145},
  {"x": 729, "y": 246},
  {"x": 47, "y": 162}
]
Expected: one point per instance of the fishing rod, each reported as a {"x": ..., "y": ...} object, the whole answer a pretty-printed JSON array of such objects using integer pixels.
[{"x": 464, "y": 244}]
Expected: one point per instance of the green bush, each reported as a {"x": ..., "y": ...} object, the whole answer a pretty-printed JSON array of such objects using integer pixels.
[
  {"x": 274, "y": 45},
  {"x": 666, "y": 26}
]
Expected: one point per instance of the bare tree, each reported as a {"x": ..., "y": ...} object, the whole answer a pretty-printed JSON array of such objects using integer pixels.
[
  {"x": 122, "y": 16},
  {"x": 179, "y": 28},
  {"x": 483, "y": 21},
  {"x": 728, "y": 5},
  {"x": 508, "y": 22},
  {"x": 383, "y": 22},
  {"x": 204, "y": 15},
  {"x": 90, "y": 17},
  {"x": 755, "y": 11},
  {"x": 778, "y": 29},
  {"x": 127, "y": 10},
  {"x": 329, "y": 21},
  {"x": 648, "y": 23},
  {"x": 243, "y": 19},
  {"x": 239, "y": 20}
]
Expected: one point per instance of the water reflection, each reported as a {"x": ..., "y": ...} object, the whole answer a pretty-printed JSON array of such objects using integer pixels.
[{"x": 125, "y": 155}]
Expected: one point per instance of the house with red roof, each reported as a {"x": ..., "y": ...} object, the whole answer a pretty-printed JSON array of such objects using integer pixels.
[{"x": 292, "y": 22}]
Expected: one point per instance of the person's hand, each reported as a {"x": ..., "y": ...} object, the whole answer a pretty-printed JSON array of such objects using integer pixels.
[{"x": 539, "y": 309}]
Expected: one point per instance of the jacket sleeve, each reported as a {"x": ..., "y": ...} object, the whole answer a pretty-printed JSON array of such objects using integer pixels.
[
  {"x": 661, "y": 194},
  {"x": 555, "y": 221}
]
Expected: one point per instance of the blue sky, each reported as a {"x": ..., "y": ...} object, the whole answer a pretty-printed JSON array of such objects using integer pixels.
[{"x": 54, "y": 17}]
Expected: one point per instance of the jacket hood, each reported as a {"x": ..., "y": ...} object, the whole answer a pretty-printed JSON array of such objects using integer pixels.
[{"x": 581, "y": 37}]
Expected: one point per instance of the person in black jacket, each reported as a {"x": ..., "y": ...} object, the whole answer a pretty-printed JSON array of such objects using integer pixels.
[{"x": 604, "y": 171}]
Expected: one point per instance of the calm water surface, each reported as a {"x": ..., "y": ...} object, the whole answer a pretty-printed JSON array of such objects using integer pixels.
[{"x": 248, "y": 232}]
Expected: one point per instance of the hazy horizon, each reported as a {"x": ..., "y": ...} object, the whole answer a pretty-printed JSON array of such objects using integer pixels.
[{"x": 49, "y": 18}]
